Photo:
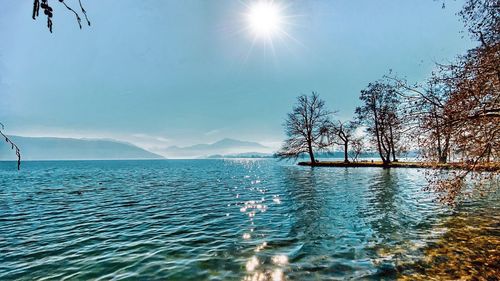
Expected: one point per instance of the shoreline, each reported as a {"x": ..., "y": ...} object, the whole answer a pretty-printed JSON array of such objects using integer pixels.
[{"x": 421, "y": 165}]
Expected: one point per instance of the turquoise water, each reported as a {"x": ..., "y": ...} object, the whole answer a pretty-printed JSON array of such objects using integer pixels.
[{"x": 214, "y": 220}]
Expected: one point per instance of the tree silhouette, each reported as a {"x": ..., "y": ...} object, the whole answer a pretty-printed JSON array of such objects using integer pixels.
[
  {"x": 482, "y": 20},
  {"x": 356, "y": 148},
  {"x": 423, "y": 110},
  {"x": 12, "y": 145},
  {"x": 48, "y": 11},
  {"x": 341, "y": 133},
  {"x": 305, "y": 127},
  {"x": 379, "y": 113}
]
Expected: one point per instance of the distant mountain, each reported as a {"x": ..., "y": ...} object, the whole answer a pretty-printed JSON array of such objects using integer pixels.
[
  {"x": 49, "y": 148},
  {"x": 222, "y": 147},
  {"x": 243, "y": 155}
]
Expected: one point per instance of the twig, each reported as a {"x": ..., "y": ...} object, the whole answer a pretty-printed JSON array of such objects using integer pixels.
[
  {"x": 13, "y": 146},
  {"x": 84, "y": 12},
  {"x": 79, "y": 20}
]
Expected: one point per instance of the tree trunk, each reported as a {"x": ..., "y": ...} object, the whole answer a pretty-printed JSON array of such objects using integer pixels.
[
  {"x": 387, "y": 160},
  {"x": 386, "y": 149},
  {"x": 377, "y": 134},
  {"x": 380, "y": 152},
  {"x": 443, "y": 152},
  {"x": 346, "y": 148},
  {"x": 392, "y": 145},
  {"x": 311, "y": 153},
  {"x": 488, "y": 153},
  {"x": 443, "y": 158}
]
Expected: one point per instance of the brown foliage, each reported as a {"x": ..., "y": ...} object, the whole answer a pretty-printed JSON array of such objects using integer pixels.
[{"x": 457, "y": 113}]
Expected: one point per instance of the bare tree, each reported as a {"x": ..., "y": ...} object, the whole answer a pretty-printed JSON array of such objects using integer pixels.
[
  {"x": 305, "y": 127},
  {"x": 356, "y": 148},
  {"x": 12, "y": 145},
  {"x": 340, "y": 133},
  {"x": 482, "y": 20},
  {"x": 379, "y": 113},
  {"x": 49, "y": 12},
  {"x": 425, "y": 117},
  {"x": 458, "y": 111}
]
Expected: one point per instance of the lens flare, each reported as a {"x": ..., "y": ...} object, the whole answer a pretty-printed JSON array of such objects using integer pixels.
[{"x": 265, "y": 19}]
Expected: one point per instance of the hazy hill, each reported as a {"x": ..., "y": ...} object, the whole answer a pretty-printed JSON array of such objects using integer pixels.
[
  {"x": 243, "y": 155},
  {"x": 222, "y": 147},
  {"x": 49, "y": 148}
]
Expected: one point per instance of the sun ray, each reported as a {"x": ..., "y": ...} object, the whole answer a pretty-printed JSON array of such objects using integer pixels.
[
  {"x": 265, "y": 18},
  {"x": 267, "y": 25}
]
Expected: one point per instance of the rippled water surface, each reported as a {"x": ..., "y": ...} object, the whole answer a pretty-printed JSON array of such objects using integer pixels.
[{"x": 224, "y": 220}]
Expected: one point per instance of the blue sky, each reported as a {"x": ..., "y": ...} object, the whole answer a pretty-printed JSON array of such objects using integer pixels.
[{"x": 161, "y": 73}]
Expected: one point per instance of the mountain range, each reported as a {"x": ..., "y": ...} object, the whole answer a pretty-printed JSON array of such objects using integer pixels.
[
  {"x": 50, "y": 148},
  {"x": 223, "y": 147},
  {"x": 53, "y": 148}
]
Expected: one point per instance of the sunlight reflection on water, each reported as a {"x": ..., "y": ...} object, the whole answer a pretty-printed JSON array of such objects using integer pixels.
[{"x": 222, "y": 220}]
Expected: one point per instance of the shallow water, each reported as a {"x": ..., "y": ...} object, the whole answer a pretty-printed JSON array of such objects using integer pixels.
[{"x": 224, "y": 220}]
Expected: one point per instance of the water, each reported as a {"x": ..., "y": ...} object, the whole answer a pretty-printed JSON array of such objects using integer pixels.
[{"x": 228, "y": 220}]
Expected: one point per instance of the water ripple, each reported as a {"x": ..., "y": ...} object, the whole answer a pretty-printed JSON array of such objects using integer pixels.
[{"x": 214, "y": 220}]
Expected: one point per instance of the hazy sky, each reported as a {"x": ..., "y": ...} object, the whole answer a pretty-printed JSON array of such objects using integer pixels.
[{"x": 160, "y": 73}]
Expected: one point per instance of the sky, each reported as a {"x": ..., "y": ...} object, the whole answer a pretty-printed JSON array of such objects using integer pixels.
[{"x": 162, "y": 73}]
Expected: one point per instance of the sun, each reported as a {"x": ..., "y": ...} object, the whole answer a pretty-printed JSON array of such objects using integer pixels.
[
  {"x": 265, "y": 19},
  {"x": 269, "y": 24}
]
